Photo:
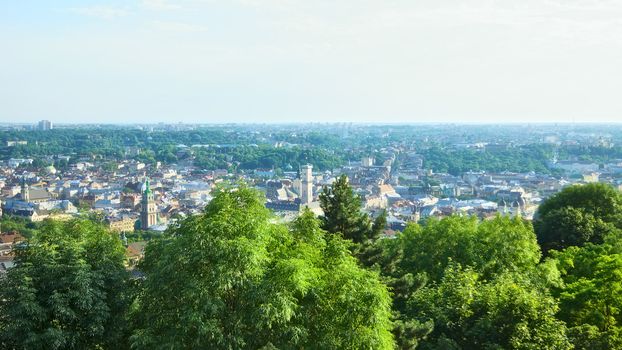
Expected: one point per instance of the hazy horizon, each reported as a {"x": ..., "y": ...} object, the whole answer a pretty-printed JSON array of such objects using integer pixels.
[{"x": 292, "y": 61}]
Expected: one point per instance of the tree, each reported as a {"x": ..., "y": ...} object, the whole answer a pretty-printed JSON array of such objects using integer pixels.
[
  {"x": 490, "y": 247},
  {"x": 342, "y": 213},
  {"x": 67, "y": 290},
  {"x": 578, "y": 215},
  {"x": 420, "y": 256},
  {"x": 506, "y": 312},
  {"x": 591, "y": 295},
  {"x": 231, "y": 278}
]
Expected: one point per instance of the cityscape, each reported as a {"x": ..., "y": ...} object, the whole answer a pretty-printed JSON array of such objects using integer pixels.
[
  {"x": 143, "y": 183},
  {"x": 293, "y": 175}
]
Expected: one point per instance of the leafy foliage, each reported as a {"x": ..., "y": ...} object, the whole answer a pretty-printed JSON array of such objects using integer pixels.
[
  {"x": 342, "y": 213},
  {"x": 68, "y": 290},
  {"x": 578, "y": 215},
  {"x": 458, "y": 161},
  {"x": 591, "y": 296},
  {"x": 504, "y": 313},
  {"x": 230, "y": 278},
  {"x": 490, "y": 247}
]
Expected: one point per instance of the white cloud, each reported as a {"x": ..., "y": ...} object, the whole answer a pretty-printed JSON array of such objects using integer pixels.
[
  {"x": 182, "y": 27},
  {"x": 160, "y": 5},
  {"x": 99, "y": 11}
]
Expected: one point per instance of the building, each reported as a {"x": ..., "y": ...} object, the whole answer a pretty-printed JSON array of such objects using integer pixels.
[
  {"x": 367, "y": 161},
  {"x": 28, "y": 196},
  {"x": 44, "y": 125},
  {"x": 121, "y": 224},
  {"x": 25, "y": 192},
  {"x": 591, "y": 177},
  {"x": 306, "y": 184},
  {"x": 8, "y": 239},
  {"x": 148, "y": 215},
  {"x": 16, "y": 143},
  {"x": 135, "y": 252},
  {"x": 130, "y": 200},
  {"x": 15, "y": 162}
]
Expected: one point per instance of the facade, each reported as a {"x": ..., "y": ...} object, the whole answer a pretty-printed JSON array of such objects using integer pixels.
[
  {"x": 306, "y": 184},
  {"x": 25, "y": 192},
  {"x": 148, "y": 215},
  {"x": 44, "y": 125},
  {"x": 122, "y": 224},
  {"x": 367, "y": 161},
  {"x": 16, "y": 143}
]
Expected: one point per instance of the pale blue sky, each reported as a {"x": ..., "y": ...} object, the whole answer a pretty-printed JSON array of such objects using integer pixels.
[{"x": 311, "y": 60}]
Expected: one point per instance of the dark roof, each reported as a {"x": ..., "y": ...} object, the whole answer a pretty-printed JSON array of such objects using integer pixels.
[{"x": 36, "y": 194}]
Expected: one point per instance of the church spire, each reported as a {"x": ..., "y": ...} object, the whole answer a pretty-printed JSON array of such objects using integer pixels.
[
  {"x": 147, "y": 187},
  {"x": 25, "y": 190},
  {"x": 148, "y": 214}
]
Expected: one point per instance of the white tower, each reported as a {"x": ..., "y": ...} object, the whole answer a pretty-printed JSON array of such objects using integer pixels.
[
  {"x": 25, "y": 191},
  {"x": 306, "y": 184}
]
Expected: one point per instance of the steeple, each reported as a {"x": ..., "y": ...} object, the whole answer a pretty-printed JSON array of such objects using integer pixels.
[
  {"x": 306, "y": 184},
  {"x": 147, "y": 187},
  {"x": 148, "y": 215},
  {"x": 25, "y": 190},
  {"x": 147, "y": 193}
]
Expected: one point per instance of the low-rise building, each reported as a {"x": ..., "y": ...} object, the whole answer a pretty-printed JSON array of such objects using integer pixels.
[{"x": 121, "y": 224}]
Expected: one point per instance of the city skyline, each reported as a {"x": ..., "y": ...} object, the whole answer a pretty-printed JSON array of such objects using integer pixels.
[{"x": 192, "y": 61}]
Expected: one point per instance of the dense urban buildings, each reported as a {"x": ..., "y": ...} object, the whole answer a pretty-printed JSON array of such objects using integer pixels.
[{"x": 411, "y": 172}]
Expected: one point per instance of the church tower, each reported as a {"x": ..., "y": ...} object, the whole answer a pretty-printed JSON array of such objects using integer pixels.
[
  {"x": 306, "y": 184},
  {"x": 148, "y": 208},
  {"x": 25, "y": 191}
]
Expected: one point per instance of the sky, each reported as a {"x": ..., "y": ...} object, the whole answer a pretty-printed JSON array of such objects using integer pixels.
[{"x": 273, "y": 61}]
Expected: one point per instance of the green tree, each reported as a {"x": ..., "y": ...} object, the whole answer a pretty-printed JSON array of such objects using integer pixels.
[
  {"x": 507, "y": 312},
  {"x": 490, "y": 246},
  {"x": 342, "y": 213},
  {"x": 232, "y": 279},
  {"x": 67, "y": 290},
  {"x": 591, "y": 295},
  {"x": 419, "y": 256},
  {"x": 578, "y": 215}
]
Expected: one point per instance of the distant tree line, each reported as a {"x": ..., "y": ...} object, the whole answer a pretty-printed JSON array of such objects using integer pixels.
[
  {"x": 516, "y": 159},
  {"x": 247, "y": 148}
]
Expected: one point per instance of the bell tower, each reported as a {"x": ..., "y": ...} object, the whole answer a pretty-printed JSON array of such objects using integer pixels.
[
  {"x": 25, "y": 191},
  {"x": 306, "y": 184},
  {"x": 148, "y": 216}
]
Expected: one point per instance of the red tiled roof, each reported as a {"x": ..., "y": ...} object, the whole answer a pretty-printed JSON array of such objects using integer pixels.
[{"x": 11, "y": 237}]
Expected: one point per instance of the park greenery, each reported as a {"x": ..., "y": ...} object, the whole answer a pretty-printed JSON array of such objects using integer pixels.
[
  {"x": 235, "y": 278},
  {"x": 244, "y": 148}
]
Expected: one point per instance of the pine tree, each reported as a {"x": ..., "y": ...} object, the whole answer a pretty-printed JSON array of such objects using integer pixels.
[{"x": 342, "y": 213}]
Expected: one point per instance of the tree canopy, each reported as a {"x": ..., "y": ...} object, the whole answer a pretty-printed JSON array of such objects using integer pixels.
[
  {"x": 578, "y": 215},
  {"x": 230, "y": 278},
  {"x": 468, "y": 312},
  {"x": 457, "y": 280},
  {"x": 343, "y": 215},
  {"x": 591, "y": 295},
  {"x": 67, "y": 291}
]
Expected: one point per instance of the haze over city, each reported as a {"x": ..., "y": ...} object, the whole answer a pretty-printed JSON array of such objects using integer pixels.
[{"x": 278, "y": 61}]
